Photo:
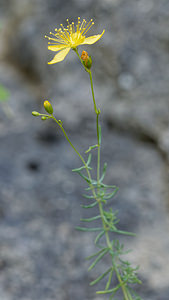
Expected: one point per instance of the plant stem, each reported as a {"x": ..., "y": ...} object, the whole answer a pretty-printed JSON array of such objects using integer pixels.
[
  {"x": 77, "y": 152},
  {"x": 97, "y": 128},
  {"x": 126, "y": 294}
]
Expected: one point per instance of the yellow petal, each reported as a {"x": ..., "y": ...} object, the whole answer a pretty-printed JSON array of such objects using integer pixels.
[
  {"x": 92, "y": 39},
  {"x": 56, "y": 47},
  {"x": 59, "y": 56}
]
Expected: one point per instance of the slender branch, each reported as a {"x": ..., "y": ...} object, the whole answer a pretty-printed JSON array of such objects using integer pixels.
[
  {"x": 97, "y": 128},
  {"x": 80, "y": 156},
  {"x": 127, "y": 295}
]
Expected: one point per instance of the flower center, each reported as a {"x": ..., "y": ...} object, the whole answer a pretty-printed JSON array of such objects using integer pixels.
[{"x": 76, "y": 38}]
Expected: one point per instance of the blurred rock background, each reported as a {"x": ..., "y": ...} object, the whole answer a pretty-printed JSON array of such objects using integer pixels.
[{"x": 42, "y": 256}]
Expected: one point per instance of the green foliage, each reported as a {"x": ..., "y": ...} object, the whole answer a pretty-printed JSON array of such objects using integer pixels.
[
  {"x": 98, "y": 195},
  {"x": 122, "y": 269},
  {"x": 4, "y": 94}
]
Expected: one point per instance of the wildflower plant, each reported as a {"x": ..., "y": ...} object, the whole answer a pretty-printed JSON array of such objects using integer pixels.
[{"x": 120, "y": 275}]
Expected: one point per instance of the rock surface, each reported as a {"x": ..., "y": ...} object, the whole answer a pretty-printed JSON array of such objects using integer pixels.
[{"x": 41, "y": 254}]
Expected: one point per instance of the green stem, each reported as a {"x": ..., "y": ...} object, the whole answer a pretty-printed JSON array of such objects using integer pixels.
[
  {"x": 97, "y": 111},
  {"x": 126, "y": 294},
  {"x": 66, "y": 136},
  {"x": 94, "y": 101},
  {"x": 77, "y": 152}
]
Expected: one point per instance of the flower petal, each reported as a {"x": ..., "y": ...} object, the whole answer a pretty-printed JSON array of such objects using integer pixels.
[
  {"x": 92, "y": 39},
  {"x": 56, "y": 47},
  {"x": 59, "y": 56}
]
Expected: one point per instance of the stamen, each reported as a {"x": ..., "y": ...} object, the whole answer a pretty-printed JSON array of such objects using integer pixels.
[
  {"x": 52, "y": 33},
  {"x": 64, "y": 36},
  {"x": 73, "y": 28},
  {"x": 82, "y": 24},
  {"x": 54, "y": 44},
  {"x": 68, "y": 23},
  {"x": 69, "y": 29},
  {"x": 87, "y": 28},
  {"x": 62, "y": 27},
  {"x": 78, "y": 23},
  {"x": 48, "y": 37},
  {"x": 70, "y": 36}
]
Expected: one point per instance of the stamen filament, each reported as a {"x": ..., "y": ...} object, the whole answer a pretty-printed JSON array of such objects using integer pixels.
[{"x": 85, "y": 28}]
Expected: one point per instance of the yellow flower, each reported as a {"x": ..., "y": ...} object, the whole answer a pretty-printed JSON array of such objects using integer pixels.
[{"x": 69, "y": 38}]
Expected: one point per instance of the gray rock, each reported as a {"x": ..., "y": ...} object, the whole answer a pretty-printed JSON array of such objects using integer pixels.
[{"x": 41, "y": 254}]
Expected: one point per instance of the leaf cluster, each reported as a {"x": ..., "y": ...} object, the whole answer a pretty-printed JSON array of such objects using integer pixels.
[{"x": 100, "y": 193}]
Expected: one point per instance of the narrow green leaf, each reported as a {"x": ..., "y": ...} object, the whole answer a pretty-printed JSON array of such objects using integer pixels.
[
  {"x": 114, "y": 290},
  {"x": 123, "y": 232},
  {"x": 104, "y": 172},
  {"x": 90, "y": 148},
  {"x": 90, "y": 205},
  {"x": 96, "y": 254},
  {"x": 78, "y": 169},
  {"x": 98, "y": 237},
  {"x": 81, "y": 168},
  {"x": 84, "y": 177},
  {"x": 100, "y": 277},
  {"x": 111, "y": 195},
  {"x": 109, "y": 280},
  {"x": 108, "y": 186},
  {"x": 91, "y": 219},
  {"x": 88, "y": 196},
  {"x": 98, "y": 259},
  {"x": 89, "y": 159},
  {"x": 88, "y": 229},
  {"x": 106, "y": 292}
]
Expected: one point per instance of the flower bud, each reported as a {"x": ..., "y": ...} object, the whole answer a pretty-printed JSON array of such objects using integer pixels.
[
  {"x": 35, "y": 113},
  {"x": 84, "y": 55},
  {"x": 87, "y": 61},
  {"x": 43, "y": 118},
  {"x": 48, "y": 107}
]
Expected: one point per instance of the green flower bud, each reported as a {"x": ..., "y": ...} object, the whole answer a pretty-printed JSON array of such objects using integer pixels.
[
  {"x": 43, "y": 118},
  {"x": 35, "y": 113},
  {"x": 48, "y": 107}
]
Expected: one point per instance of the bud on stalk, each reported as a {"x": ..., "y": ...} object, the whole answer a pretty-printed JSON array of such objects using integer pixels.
[
  {"x": 87, "y": 61},
  {"x": 35, "y": 113},
  {"x": 48, "y": 107}
]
